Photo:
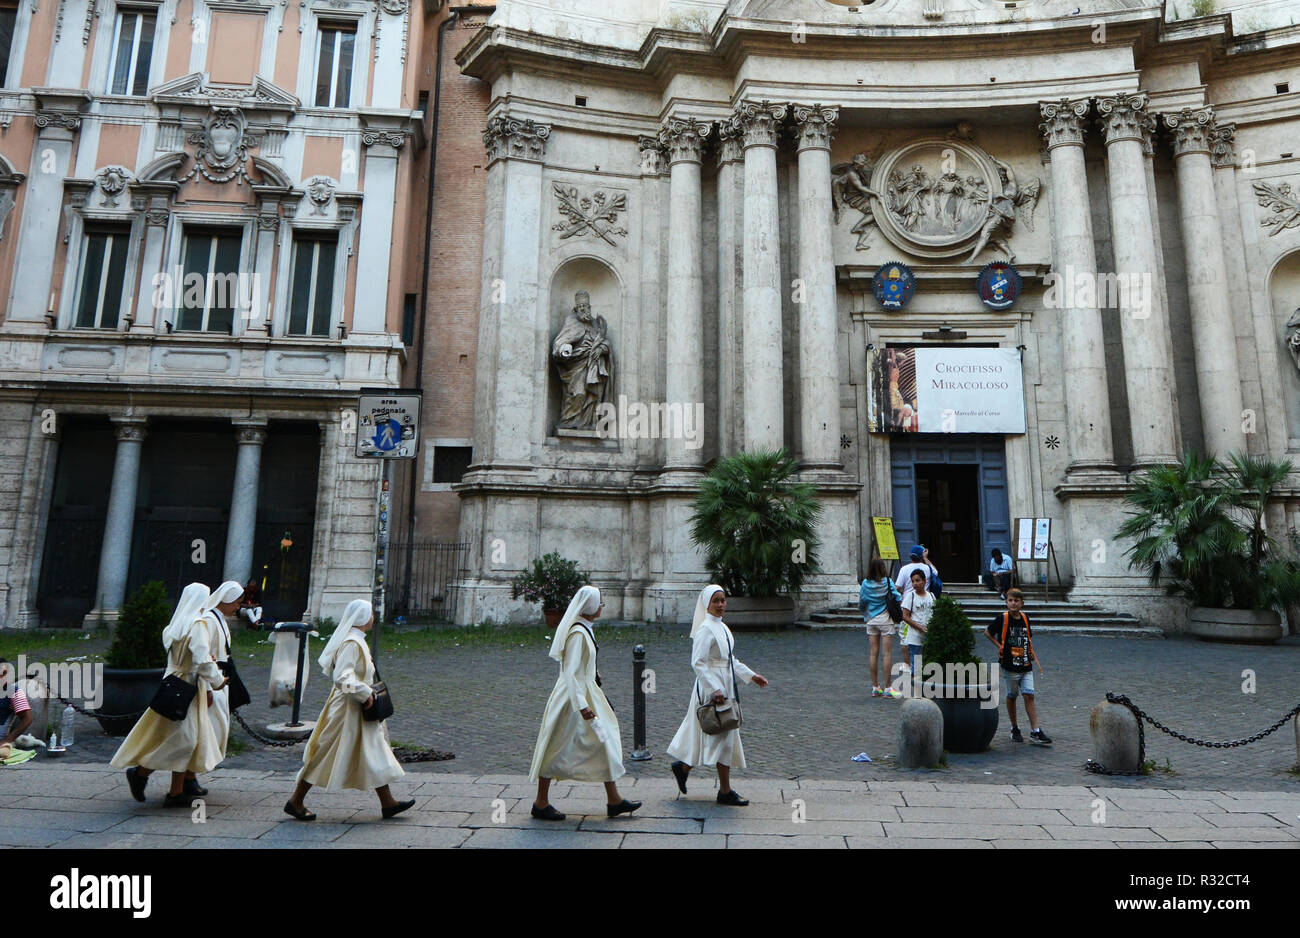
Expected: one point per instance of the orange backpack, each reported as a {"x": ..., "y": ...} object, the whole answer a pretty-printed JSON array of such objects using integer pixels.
[{"x": 1019, "y": 656}]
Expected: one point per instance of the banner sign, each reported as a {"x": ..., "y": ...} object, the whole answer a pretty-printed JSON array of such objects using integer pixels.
[
  {"x": 388, "y": 423},
  {"x": 946, "y": 389},
  {"x": 885, "y": 541}
]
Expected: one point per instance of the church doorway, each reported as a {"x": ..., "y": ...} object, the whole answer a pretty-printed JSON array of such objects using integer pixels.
[{"x": 950, "y": 494}]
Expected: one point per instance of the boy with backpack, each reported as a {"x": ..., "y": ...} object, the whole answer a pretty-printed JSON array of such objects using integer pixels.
[{"x": 1010, "y": 632}]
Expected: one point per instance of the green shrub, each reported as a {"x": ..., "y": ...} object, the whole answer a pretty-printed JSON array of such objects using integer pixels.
[
  {"x": 757, "y": 527},
  {"x": 950, "y": 639},
  {"x": 551, "y": 581},
  {"x": 137, "y": 637}
]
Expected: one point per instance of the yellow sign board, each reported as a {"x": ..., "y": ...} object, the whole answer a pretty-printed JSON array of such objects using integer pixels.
[{"x": 885, "y": 542}]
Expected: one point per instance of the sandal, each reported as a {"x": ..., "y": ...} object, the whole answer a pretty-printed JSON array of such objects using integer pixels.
[{"x": 303, "y": 815}]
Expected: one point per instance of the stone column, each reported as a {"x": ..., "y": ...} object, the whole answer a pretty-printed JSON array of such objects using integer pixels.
[
  {"x": 819, "y": 379},
  {"x": 249, "y": 437},
  {"x": 507, "y": 381},
  {"x": 1083, "y": 344},
  {"x": 115, "y": 555},
  {"x": 1148, "y": 371},
  {"x": 764, "y": 391},
  {"x": 683, "y": 140},
  {"x": 1213, "y": 337},
  {"x": 731, "y": 414}
]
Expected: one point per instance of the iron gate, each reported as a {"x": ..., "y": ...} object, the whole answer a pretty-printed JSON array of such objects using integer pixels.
[{"x": 431, "y": 591}]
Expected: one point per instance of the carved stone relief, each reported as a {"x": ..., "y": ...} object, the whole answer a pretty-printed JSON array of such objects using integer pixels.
[
  {"x": 1284, "y": 204},
  {"x": 221, "y": 147},
  {"x": 591, "y": 213}
]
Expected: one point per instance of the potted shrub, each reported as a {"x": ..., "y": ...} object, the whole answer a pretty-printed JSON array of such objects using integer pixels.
[
  {"x": 136, "y": 659},
  {"x": 550, "y": 581},
  {"x": 1198, "y": 526},
  {"x": 758, "y": 531},
  {"x": 952, "y": 677}
]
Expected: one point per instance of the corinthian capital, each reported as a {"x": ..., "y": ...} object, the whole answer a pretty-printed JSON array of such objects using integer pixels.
[
  {"x": 815, "y": 125},
  {"x": 1192, "y": 128},
  {"x": 512, "y": 137},
  {"x": 1064, "y": 122},
  {"x": 759, "y": 122},
  {"x": 683, "y": 138},
  {"x": 1124, "y": 117},
  {"x": 1223, "y": 145}
]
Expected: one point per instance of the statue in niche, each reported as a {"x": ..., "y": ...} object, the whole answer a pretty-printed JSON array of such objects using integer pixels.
[
  {"x": 1293, "y": 336},
  {"x": 582, "y": 357},
  {"x": 1002, "y": 212}
]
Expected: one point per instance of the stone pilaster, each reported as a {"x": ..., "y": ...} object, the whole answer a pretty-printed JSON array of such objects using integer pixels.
[
  {"x": 731, "y": 411},
  {"x": 1148, "y": 369},
  {"x": 683, "y": 140},
  {"x": 759, "y": 124},
  {"x": 1213, "y": 338},
  {"x": 1083, "y": 343},
  {"x": 819, "y": 379}
]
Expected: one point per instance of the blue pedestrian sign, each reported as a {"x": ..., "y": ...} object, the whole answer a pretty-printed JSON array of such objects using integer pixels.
[{"x": 388, "y": 423}]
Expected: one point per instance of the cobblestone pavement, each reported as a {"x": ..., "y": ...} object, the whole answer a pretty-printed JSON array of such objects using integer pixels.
[
  {"x": 484, "y": 703},
  {"x": 92, "y": 808}
]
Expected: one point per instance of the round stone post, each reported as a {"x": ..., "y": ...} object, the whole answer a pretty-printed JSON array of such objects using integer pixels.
[
  {"x": 1115, "y": 740},
  {"x": 920, "y": 734},
  {"x": 1148, "y": 371},
  {"x": 1083, "y": 344},
  {"x": 249, "y": 437},
  {"x": 683, "y": 139},
  {"x": 115, "y": 555},
  {"x": 819, "y": 384},
  {"x": 1214, "y": 340},
  {"x": 764, "y": 389}
]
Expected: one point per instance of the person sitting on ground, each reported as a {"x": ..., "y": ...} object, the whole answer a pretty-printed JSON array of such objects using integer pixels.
[
  {"x": 250, "y": 605},
  {"x": 15, "y": 711},
  {"x": 1010, "y": 632},
  {"x": 999, "y": 576}
]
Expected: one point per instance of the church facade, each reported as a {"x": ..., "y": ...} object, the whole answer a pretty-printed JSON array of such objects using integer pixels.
[{"x": 970, "y": 262}]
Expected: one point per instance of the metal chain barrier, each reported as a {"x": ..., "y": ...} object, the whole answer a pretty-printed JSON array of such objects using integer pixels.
[
  {"x": 1097, "y": 767},
  {"x": 274, "y": 743},
  {"x": 107, "y": 716}
]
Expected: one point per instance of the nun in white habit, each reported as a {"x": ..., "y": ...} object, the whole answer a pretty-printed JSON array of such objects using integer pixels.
[
  {"x": 223, "y": 602},
  {"x": 579, "y": 738},
  {"x": 346, "y": 750},
  {"x": 712, "y": 658},
  {"x": 182, "y": 747}
]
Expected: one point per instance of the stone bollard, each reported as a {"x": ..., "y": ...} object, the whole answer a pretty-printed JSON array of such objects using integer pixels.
[
  {"x": 920, "y": 734},
  {"x": 1114, "y": 737}
]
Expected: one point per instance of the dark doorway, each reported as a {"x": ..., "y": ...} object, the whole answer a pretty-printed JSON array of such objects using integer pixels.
[
  {"x": 75, "y": 533},
  {"x": 286, "y": 518},
  {"x": 948, "y": 516}
]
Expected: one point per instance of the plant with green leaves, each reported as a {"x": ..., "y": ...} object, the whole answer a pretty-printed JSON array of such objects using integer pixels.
[
  {"x": 550, "y": 581},
  {"x": 137, "y": 637},
  {"x": 949, "y": 639},
  {"x": 756, "y": 525},
  {"x": 1198, "y": 527}
]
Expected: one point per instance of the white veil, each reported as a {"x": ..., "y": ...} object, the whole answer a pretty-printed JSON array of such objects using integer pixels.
[
  {"x": 193, "y": 599},
  {"x": 227, "y": 592},
  {"x": 356, "y": 613},
  {"x": 585, "y": 602},
  {"x": 702, "y": 606}
]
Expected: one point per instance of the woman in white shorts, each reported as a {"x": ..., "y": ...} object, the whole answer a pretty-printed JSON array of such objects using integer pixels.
[{"x": 880, "y": 628}]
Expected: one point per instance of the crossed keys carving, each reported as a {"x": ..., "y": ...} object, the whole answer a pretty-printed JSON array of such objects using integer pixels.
[
  {"x": 597, "y": 213},
  {"x": 1282, "y": 201}
]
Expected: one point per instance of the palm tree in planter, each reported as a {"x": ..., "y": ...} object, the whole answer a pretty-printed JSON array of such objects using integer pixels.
[
  {"x": 135, "y": 660},
  {"x": 1198, "y": 526},
  {"x": 758, "y": 531},
  {"x": 952, "y": 676}
]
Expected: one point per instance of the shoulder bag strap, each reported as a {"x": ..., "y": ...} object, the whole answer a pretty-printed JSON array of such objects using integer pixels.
[
  {"x": 221, "y": 620},
  {"x": 731, "y": 659},
  {"x": 1006, "y": 626}
]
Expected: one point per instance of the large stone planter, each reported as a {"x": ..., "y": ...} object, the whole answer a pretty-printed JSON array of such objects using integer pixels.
[
  {"x": 1234, "y": 625},
  {"x": 127, "y": 691},
  {"x": 969, "y": 723},
  {"x": 776, "y": 612}
]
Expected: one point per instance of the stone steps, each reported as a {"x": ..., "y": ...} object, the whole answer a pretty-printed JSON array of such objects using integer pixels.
[{"x": 1054, "y": 616}]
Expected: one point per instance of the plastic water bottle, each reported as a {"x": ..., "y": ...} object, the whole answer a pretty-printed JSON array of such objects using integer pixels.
[
  {"x": 68, "y": 726},
  {"x": 54, "y": 740}
]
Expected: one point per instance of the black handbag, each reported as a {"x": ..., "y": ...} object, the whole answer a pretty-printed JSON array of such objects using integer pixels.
[
  {"x": 892, "y": 606},
  {"x": 238, "y": 694},
  {"x": 173, "y": 697},
  {"x": 382, "y": 708}
]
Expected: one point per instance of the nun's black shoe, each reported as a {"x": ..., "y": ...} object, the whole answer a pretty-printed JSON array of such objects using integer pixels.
[
  {"x": 680, "y": 772},
  {"x": 547, "y": 813},
  {"x": 176, "y": 801},
  {"x": 732, "y": 798},
  {"x": 303, "y": 815},
  {"x": 623, "y": 807},
  {"x": 395, "y": 809},
  {"x": 192, "y": 787},
  {"x": 136, "y": 782}
]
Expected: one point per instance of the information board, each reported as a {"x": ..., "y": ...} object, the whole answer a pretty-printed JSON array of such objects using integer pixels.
[{"x": 388, "y": 423}]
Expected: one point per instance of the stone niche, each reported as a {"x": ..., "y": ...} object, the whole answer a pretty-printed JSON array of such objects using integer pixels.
[
  {"x": 1284, "y": 293},
  {"x": 606, "y": 291}
]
